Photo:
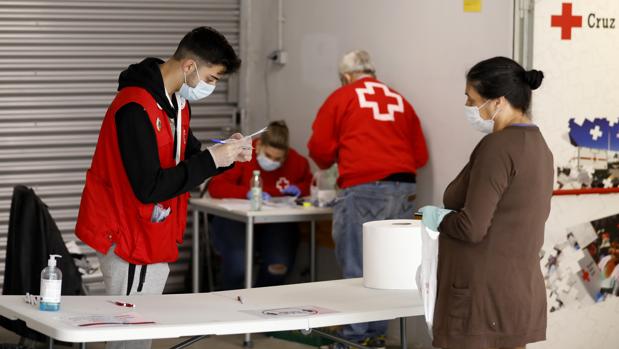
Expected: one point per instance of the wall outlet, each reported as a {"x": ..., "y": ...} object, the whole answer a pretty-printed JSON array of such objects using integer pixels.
[{"x": 279, "y": 57}]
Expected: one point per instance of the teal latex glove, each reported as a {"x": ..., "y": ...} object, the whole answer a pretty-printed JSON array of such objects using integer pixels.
[{"x": 433, "y": 216}]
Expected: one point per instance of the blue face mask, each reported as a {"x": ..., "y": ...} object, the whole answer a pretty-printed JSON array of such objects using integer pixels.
[
  {"x": 202, "y": 89},
  {"x": 267, "y": 164}
]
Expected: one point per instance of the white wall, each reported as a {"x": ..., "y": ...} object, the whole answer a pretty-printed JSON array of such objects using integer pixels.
[{"x": 420, "y": 48}]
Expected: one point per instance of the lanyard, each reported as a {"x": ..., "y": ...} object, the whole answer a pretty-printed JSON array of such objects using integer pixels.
[{"x": 179, "y": 128}]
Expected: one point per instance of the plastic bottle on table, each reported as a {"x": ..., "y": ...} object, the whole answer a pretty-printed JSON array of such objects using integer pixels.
[
  {"x": 256, "y": 191},
  {"x": 51, "y": 285}
]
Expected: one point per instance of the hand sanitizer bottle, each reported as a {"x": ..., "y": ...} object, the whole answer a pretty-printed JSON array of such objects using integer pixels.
[{"x": 51, "y": 285}]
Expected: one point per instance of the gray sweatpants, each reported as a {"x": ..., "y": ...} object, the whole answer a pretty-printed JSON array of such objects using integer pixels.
[{"x": 115, "y": 277}]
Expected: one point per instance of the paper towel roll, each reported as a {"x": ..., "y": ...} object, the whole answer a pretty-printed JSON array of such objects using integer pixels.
[{"x": 391, "y": 253}]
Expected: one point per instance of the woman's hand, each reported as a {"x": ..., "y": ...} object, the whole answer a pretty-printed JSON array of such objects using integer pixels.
[{"x": 433, "y": 216}]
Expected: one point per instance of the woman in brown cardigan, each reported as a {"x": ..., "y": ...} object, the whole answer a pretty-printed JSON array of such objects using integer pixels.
[{"x": 491, "y": 290}]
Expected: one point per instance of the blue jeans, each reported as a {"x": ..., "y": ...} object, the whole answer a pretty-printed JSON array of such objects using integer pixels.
[
  {"x": 357, "y": 205},
  {"x": 275, "y": 245}
]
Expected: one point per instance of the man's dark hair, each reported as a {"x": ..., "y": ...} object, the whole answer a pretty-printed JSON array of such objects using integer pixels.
[{"x": 210, "y": 46}]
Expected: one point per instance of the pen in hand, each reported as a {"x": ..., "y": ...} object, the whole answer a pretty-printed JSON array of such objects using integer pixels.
[
  {"x": 239, "y": 299},
  {"x": 219, "y": 141}
]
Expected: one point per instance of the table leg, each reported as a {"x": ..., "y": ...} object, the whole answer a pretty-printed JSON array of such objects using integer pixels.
[
  {"x": 403, "y": 339},
  {"x": 335, "y": 338},
  {"x": 209, "y": 265},
  {"x": 249, "y": 259},
  {"x": 249, "y": 252},
  {"x": 196, "y": 252},
  {"x": 313, "y": 251},
  {"x": 189, "y": 342},
  {"x": 50, "y": 343}
]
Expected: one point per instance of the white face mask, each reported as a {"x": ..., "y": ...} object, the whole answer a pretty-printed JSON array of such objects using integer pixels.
[
  {"x": 474, "y": 118},
  {"x": 202, "y": 89},
  {"x": 267, "y": 164}
]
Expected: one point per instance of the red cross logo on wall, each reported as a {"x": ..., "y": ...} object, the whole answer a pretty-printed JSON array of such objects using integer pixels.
[{"x": 566, "y": 21}]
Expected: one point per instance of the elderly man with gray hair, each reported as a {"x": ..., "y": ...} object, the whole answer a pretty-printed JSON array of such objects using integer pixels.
[{"x": 375, "y": 137}]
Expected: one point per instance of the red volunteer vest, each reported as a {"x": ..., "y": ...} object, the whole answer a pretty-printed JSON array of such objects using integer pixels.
[{"x": 109, "y": 211}]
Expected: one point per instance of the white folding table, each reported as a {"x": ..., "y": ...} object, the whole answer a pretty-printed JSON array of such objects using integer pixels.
[
  {"x": 220, "y": 313},
  {"x": 218, "y": 207}
]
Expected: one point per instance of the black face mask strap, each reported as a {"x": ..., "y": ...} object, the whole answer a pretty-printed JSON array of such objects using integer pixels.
[
  {"x": 142, "y": 277},
  {"x": 130, "y": 277}
]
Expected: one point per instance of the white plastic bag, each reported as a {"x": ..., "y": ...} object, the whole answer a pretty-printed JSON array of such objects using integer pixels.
[
  {"x": 426, "y": 273},
  {"x": 322, "y": 190}
]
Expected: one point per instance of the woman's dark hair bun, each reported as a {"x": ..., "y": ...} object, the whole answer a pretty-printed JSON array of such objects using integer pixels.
[
  {"x": 533, "y": 78},
  {"x": 503, "y": 77}
]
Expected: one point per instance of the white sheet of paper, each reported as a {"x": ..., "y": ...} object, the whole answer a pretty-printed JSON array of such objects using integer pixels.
[
  {"x": 105, "y": 320},
  {"x": 260, "y": 131},
  {"x": 281, "y": 201},
  {"x": 240, "y": 205}
]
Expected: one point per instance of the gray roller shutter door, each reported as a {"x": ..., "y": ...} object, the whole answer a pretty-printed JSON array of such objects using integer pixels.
[{"x": 59, "y": 64}]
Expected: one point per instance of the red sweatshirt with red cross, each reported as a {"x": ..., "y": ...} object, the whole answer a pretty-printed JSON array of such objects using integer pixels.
[
  {"x": 234, "y": 183},
  {"x": 370, "y": 131}
]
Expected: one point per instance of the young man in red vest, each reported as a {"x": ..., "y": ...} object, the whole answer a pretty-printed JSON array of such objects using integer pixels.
[
  {"x": 283, "y": 172},
  {"x": 134, "y": 205},
  {"x": 375, "y": 137}
]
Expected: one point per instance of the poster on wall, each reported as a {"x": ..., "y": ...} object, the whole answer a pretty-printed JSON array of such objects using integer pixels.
[
  {"x": 576, "y": 108},
  {"x": 584, "y": 269}
]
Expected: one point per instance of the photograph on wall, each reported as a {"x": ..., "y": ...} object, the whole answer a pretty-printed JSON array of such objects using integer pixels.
[
  {"x": 583, "y": 269},
  {"x": 594, "y": 163}
]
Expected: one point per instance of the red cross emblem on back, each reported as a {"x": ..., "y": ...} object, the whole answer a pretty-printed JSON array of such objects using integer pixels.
[
  {"x": 566, "y": 21},
  {"x": 383, "y": 102}
]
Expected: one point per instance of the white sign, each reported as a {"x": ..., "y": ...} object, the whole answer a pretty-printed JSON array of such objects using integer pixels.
[{"x": 575, "y": 45}]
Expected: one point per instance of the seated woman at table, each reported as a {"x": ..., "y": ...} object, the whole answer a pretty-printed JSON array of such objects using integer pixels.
[{"x": 284, "y": 172}]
